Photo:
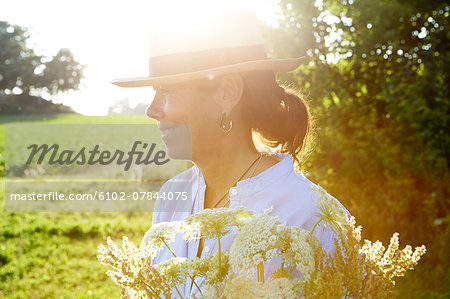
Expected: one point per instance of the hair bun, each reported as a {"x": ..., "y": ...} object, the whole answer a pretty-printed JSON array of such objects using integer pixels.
[{"x": 280, "y": 116}]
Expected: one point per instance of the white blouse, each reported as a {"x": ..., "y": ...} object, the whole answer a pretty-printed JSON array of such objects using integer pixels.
[{"x": 280, "y": 187}]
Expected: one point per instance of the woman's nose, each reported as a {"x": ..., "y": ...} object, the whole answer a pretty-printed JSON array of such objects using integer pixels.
[
  {"x": 158, "y": 115},
  {"x": 154, "y": 110}
]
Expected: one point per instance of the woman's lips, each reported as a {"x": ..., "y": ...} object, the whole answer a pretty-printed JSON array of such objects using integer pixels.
[
  {"x": 177, "y": 139},
  {"x": 165, "y": 128}
]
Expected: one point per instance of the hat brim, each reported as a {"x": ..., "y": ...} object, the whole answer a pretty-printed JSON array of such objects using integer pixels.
[{"x": 276, "y": 65}]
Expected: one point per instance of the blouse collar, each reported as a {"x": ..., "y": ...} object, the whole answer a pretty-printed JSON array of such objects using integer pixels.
[{"x": 265, "y": 179}]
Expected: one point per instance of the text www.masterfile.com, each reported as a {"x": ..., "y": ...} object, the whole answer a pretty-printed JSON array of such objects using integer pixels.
[{"x": 99, "y": 195}]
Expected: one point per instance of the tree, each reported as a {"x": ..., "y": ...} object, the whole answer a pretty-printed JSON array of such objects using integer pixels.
[
  {"x": 23, "y": 71},
  {"x": 123, "y": 107}
]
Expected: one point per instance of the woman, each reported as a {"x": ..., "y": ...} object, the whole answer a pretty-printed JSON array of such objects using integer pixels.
[{"x": 221, "y": 89}]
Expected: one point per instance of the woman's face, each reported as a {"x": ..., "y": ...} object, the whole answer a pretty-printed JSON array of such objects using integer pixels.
[{"x": 182, "y": 110}]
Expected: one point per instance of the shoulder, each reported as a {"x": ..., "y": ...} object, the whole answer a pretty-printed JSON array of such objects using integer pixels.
[
  {"x": 181, "y": 180},
  {"x": 302, "y": 202},
  {"x": 175, "y": 196}
]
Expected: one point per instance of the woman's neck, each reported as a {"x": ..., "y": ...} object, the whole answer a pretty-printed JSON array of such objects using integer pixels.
[{"x": 224, "y": 164}]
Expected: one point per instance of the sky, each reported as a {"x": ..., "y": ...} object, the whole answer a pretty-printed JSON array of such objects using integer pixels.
[{"x": 110, "y": 38}]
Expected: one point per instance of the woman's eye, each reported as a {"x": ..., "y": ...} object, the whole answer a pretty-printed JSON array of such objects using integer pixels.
[
  {"x": 163, "y": 96},
  {"x": 165, "y": 92}
]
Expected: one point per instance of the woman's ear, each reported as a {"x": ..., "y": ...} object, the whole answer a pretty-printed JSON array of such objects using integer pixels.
[{"x": 231, "y": 87}]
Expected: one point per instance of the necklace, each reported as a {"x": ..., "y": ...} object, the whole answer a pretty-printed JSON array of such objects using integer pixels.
[{"x": 240, "y": 178}]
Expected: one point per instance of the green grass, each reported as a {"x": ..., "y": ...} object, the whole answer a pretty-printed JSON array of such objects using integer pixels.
[
  {"x": 69, "y": 118},
  {"x": 53, "y": 255}
]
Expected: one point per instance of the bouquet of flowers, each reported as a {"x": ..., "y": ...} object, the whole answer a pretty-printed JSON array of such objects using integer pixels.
[{"x": 354, "y": 270}]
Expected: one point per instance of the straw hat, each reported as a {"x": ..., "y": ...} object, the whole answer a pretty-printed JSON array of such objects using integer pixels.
[{"x": 229, "y": 43}]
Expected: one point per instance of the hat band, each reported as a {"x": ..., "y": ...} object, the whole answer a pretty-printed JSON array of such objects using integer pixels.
[{"x": 203, "y": 60}]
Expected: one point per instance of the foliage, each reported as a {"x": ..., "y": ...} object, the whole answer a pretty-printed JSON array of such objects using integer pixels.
[
  {"x": 26, "y": 104},
  {"x": 376, "y": 76},
  {"x": 24, "y": 71},
  {"x": 123, "y": 107}
]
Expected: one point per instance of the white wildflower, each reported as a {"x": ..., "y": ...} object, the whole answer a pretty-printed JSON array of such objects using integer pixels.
[
  {"x": 261, "y": 238},
  {"x": 213, "y": 223},
  {"x": 173, "y": 269},
  {"x": 133, "y": 270},
  {"x": 298, "y": 249},
  {"x": 392, "y": 262},
  {"x": 331, "y": 211},
  {"x": 162, "y": 233},
  {"x": 276, "y": 288},
  {"x": 256, "y": 241},
  {"x": 239, "y": 287}
]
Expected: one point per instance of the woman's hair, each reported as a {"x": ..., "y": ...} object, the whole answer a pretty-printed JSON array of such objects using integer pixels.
[{"x": 279, "y": 117}]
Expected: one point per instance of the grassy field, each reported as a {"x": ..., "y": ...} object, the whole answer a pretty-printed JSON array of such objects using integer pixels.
[
  {"x": 53, "y": 255},
  {"x": 67, "y": 119}
]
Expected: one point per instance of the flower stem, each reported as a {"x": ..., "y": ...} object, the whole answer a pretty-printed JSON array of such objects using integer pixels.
[
  {"x": 290, "y": 271},
  {"x": 220, "y": 254},
  {"x": 178, "y": 292},
  {"x": 169, "y": 249},
  {"x": 261, "y": 272},
  {"x": 193, "y": 280},
  {"x": 148, "y": 286},
  {"x": 173, "y": 253},
  {"x": 315, "y": 224}
]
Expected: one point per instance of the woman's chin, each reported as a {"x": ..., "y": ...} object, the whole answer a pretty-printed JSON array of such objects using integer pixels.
[{"x": 178, "y": 141}]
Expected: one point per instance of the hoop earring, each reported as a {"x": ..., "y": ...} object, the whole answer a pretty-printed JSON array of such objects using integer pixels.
[{"x": 222, "y": 126}]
